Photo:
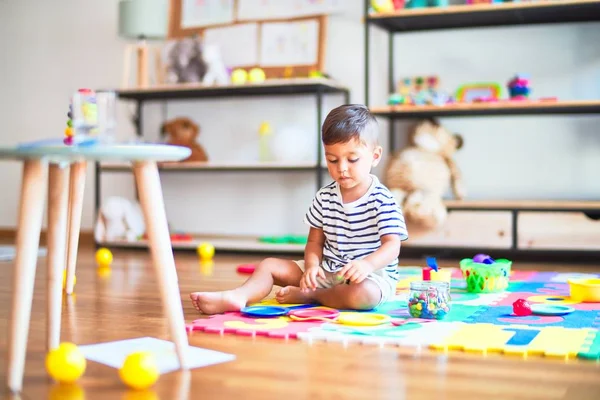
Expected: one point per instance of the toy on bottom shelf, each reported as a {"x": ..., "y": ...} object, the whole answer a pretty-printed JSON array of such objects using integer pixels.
[
  {"x": 486, "y": 275},
  {"x": 119, "y": 219},
  {"x": 429, "y": 299}
]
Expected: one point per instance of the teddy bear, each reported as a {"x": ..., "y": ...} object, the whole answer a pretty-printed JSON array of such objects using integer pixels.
[
  {"x": 119, "y": 219},
  {"x": 183, "y": 131},
  {"x": 420, "y": 174}
]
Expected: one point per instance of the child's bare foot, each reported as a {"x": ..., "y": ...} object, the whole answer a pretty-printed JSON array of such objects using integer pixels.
[
  {"x": 293, "y": 295},
  {"x": 217, "y": 302}
]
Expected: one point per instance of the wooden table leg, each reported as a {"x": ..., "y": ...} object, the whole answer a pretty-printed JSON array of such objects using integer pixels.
[
  {"x": 151, "y": 200},
  {"x": 76, "y": 190},
  {"x": 31, "y": 212},
  {"x": 58, "y": 182}
]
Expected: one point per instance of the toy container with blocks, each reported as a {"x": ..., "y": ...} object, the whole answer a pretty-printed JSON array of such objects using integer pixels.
[
  {"x": 429, "y": 299},
  {"x": 486, "y": 275}
]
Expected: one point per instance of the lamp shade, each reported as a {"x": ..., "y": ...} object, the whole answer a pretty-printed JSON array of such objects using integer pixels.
[{"x": 147, "y": 18}]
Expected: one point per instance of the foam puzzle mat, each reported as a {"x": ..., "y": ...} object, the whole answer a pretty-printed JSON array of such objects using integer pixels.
[{"x": 477, "y": 322}]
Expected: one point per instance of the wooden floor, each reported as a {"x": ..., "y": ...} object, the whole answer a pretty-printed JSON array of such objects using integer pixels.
[{"x": 126, "y": 304}]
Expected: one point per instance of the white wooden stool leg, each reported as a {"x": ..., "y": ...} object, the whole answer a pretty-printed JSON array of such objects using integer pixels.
[
  {"x": 76, "y": 190},
  {"x": 151, "y": 200},
  {"x": 58, "y": 183},
  {"x": 31, "y": 212}
]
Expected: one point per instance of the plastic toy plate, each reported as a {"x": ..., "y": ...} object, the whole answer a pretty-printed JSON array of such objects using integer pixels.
[
  {"x": 264, "y": 311},
  {"x": 549, "y": 309}
]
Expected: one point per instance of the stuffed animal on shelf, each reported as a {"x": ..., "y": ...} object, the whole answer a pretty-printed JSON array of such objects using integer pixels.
[
  {"x": 420, "y": 174},
  {"x": 216, "y": 73},
  {"x": 119, "y": 219},
  {"x": 184, "y": 61},
  {"x": 183, "y": 131}
]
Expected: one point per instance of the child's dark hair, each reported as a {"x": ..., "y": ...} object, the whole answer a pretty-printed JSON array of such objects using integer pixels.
[{"x": 350, "y": 121}]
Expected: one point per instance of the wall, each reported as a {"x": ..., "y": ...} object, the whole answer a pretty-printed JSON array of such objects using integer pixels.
[{"x": 75, "y": 44}]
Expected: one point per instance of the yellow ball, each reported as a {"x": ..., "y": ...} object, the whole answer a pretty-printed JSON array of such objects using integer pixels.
[
  {"x": 206, "y": 251},
  {"x": 65, "y": 279},
  {"x": 68, "y": 131},
  {"x": 66, "y": 363},
  {"x": 256, "y": 75},
  {"x": 104, "y": 256},
  {"x": 139, "y": 371},
  {"x": 239, "y": 76}
]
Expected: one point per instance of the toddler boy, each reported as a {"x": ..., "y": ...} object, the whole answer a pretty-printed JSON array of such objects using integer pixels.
[{"x": 355, "y": 231}]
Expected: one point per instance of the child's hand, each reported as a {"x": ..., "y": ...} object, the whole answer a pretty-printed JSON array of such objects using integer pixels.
[
  {"x": 309, "y": 278},
  {"x": 356, "y": 271}
]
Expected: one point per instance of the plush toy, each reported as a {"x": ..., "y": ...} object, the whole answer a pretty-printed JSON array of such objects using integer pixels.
[
  {"x": 216, "y": 73},
  {"x": 119, "y": 219},
  {"x": 184, "y": 61},
  {"x": 183, "y": 132},
  {"x": 420, "y": 174}
]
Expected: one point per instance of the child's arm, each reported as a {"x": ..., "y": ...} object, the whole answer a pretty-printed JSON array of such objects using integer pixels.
[
  {"x": 313, "y": 254},
  {"x": 357, "y": 270},
  {"x": 388, "y": 252},
  {"x": 392, "y": 230}
]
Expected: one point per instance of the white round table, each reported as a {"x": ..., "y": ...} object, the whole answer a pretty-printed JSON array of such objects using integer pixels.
[{"x": 60, "y": 169}]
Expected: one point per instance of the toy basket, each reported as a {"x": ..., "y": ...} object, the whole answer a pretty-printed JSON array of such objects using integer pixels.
[{"x": 486, "y": 278}]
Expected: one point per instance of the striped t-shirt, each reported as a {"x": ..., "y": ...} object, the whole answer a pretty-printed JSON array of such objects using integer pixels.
[{"x": 354, "y": 230}]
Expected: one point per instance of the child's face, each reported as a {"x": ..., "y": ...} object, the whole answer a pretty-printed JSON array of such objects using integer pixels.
[{"x": 350, "y": 163}]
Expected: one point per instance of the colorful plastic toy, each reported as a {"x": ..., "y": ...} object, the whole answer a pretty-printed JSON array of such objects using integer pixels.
[
  {"x": 478, "y": 92},
  {"x": 486, "y": 278},
  {"x": 139, "y": 370},
  {"x": 585, "y": 290},
  {"x": 66, "y": 363},
  {"x": 206, "y": 251},
  {"x": 521, "y": 307},
  {"x": 429, "y": 300},
  {"x": 246, "y": 268},
  {"x": 518, "y": 87},
  {"x": 104, "y": 256}
]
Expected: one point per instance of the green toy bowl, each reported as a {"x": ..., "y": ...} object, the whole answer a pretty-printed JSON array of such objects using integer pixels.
[{"x": 486, "y": 278}]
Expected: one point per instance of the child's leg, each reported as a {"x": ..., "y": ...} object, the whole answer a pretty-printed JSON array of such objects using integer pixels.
[
  {"x": 363, "y": 296},
  {"x": 271, "y": 271}
]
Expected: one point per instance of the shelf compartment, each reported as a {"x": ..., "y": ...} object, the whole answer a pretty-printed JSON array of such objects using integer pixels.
[
  {"x": 467, "y": 229},
  {"x": 558, "y": 231},
  {"x": 220, "y": 242},
  {"x": 291, "y": 86},
  {"x": 524, "y": 205},
  {"x": 216, "y": 166},
  {"x": 490, "y": 109},
  {"x": 487, "y": 15}
]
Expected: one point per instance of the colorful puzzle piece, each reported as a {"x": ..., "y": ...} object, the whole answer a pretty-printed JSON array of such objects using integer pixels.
[
  {"x": 515, "y": 339},
  {"x": 279, "y": 327},
  {"x": 415, "y": 334}
]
